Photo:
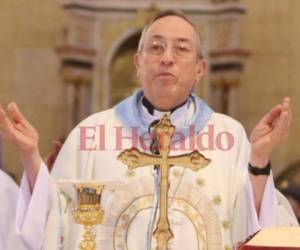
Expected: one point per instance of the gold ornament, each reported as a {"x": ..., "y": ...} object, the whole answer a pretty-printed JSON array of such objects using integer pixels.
[
  {"x": 88, "y": 212},
  {"x": 133, "y": 158}
]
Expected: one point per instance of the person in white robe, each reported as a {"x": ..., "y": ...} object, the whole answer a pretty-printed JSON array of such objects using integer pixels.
[
  {"x": 8, "y": 203},
  {"x": 213, "y": 208}
]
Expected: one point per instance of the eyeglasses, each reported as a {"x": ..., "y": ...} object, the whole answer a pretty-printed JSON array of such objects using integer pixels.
[{"x": 180, "y": 48}]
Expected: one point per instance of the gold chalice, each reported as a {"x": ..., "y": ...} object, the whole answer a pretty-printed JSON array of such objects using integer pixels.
[{"x": 88, "y": 212}]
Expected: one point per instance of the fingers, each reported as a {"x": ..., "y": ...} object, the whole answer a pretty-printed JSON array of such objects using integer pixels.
[
  {"x": 6, "y": 127},
  {"x": 270, "y": 117},
  {"x": 19, "y": 121},
  {"x": 3, "y": 118},
  {"x": 287, "y": 107},
  {"x": 10, "y": 128},
  {"x": 281, "y": 129},
  {"x": 16, "y": 122},
  {"x": 286, "y": 104},
  {"x": 15, "y": 113},
  {"x": 286, "y": 100},
  {"x": 2, "y": 115}
]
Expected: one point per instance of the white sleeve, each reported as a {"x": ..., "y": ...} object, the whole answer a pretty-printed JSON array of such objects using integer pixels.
[
  {"x": 285, "y": 215},
  {"x": 8, "y": 201},
  {"x": 246, "y": 221},
  {"x": 267, "y": 215},
  {"x": 274, "y": 211},
  {"x": 33, "y": 209}
]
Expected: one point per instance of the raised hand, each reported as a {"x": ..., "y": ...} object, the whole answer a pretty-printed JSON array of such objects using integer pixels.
[
  {"x": 269, "y": 133},
  {"x": 19, "y": 132}
]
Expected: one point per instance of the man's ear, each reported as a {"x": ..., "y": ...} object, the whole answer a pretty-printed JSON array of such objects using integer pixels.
[
  {"x": 136, "y": 60},
  {"x": 202, "y": 66}
]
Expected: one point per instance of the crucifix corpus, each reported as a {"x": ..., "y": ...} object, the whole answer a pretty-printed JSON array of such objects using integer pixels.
[{"x": 133, "y": 158}]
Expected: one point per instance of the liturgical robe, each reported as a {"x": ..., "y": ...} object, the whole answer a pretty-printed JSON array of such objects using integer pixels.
[
  {"x": 212, "y": 208},
  {"x": 8, "y": 202}
]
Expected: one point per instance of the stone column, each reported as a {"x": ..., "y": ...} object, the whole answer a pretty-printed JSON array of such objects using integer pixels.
[
  {"x": 78, "y": 56},
  {"x": 225, "y": 54}
]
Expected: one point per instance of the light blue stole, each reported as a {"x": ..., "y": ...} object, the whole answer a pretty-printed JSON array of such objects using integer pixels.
[{"x": 128, "y": 111}]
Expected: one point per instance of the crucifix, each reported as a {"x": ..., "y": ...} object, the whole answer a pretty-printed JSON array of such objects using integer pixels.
[{"x": 133, "y": 158}]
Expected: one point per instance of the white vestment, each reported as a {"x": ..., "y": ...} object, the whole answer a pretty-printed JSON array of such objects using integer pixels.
[
  {"x": 8, "y": 201},
  {"x": 212, "y": 208}
]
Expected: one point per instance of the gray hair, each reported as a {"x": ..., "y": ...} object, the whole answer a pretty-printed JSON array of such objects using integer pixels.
[{"x": 165, "y": 13}]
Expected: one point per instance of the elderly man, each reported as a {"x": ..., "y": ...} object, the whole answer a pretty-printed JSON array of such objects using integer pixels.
[{"x": 212, "y": 208}]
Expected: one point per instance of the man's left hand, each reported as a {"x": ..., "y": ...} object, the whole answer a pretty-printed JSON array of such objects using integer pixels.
[{"x": 269, "y": 133}]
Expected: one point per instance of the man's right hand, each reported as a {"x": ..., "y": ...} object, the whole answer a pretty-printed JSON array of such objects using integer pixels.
[{"x": 19, "y": 132}]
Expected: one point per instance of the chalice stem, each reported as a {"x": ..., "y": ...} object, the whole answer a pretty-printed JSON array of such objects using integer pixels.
[{"x": 88, "y": 242}]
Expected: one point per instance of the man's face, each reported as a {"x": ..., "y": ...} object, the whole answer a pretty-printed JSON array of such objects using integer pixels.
[{"x": 168, "y": 65}]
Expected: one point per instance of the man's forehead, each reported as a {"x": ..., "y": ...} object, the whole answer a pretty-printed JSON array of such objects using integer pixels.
[
  {"x": 173, "y": 27},
  {"x": 156, "y": 36}
]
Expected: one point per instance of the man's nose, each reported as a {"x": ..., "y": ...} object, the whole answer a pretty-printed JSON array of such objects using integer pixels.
[{"x": 168, "y": 57}]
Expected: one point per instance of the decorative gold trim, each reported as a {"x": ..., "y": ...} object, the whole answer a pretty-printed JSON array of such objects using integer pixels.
[
  {"x": 176, "y": 173},
  {"x": 200, "y": 181},
  {"x": 227, "y": 224},
  {"x": 217, "y": 200},
  {"x": 125, "y": 205},
  {"x": 182, "y": 205},
  {"x": 227, "y": 247},
  {"x": 133, "y": 158},
  {"x": 130, "y": 173}
]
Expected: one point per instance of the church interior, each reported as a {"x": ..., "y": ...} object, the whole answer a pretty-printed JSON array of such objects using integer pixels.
[{"x": 64, "y": 60}]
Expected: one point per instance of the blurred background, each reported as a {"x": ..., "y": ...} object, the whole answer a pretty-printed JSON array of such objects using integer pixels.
[{"x": 63, "y": 60}]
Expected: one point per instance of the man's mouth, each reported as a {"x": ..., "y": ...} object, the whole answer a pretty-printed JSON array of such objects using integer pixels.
[{"x": 165, "y": 74}]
